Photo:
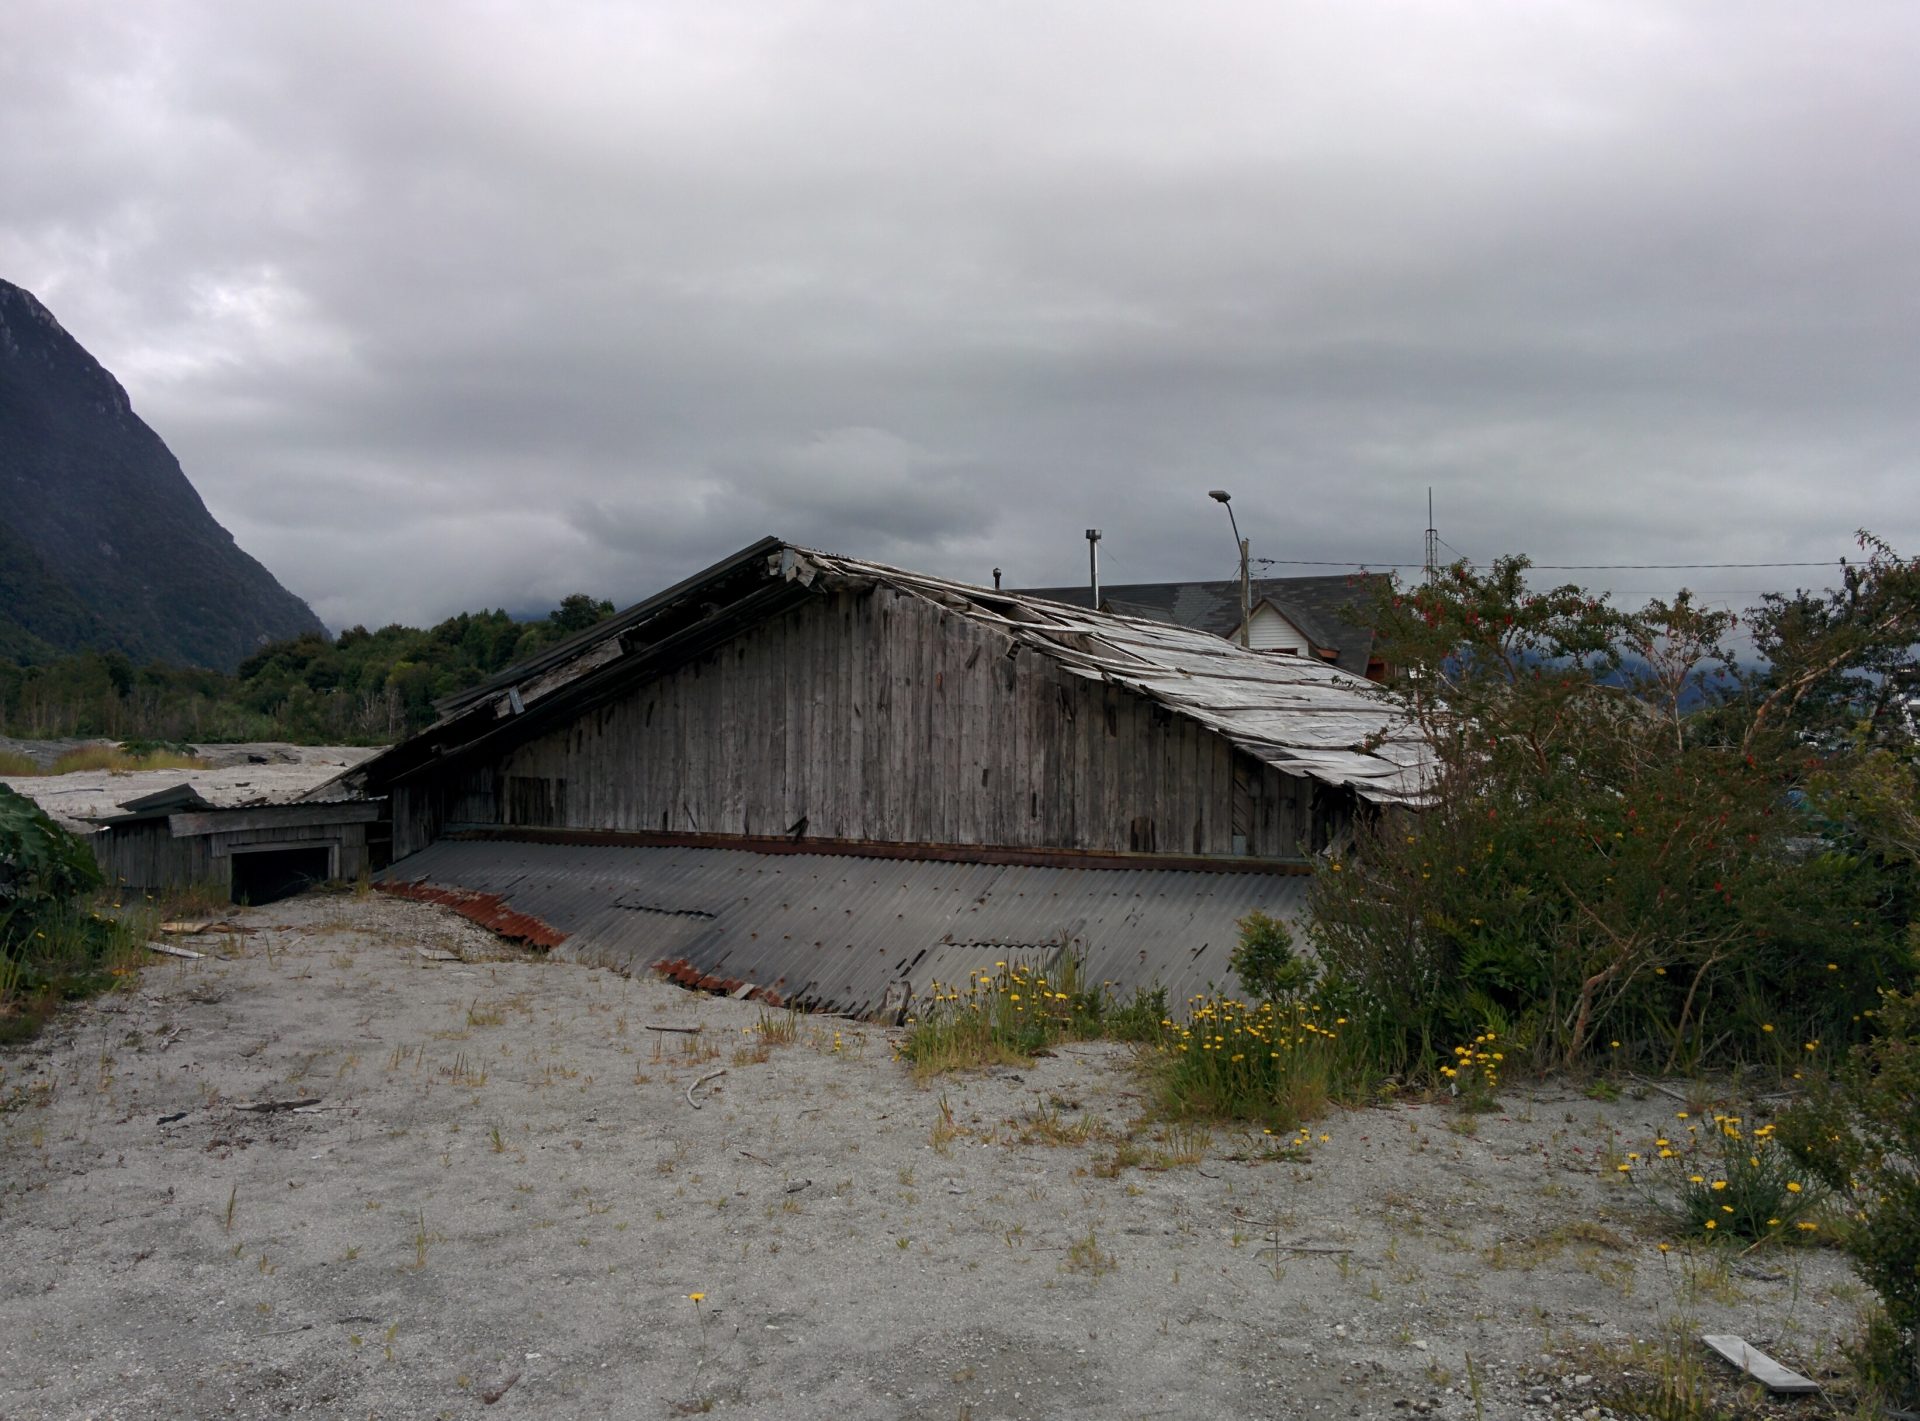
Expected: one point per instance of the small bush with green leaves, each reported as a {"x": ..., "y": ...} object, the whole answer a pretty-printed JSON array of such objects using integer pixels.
[
  {"x": 53, "y": 945},
  {"x": 42, "y": 868},
  {"x": 1861, "y": 1137},
  {"x": 1265, "y": 961}
]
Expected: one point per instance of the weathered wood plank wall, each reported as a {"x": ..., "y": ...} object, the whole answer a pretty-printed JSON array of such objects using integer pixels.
[
  {"x": 876, "y": 715},
  {"x": 146, "y": 858}
]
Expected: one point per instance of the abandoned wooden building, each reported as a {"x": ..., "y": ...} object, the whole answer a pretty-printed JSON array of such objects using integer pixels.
[
  {"x": 828, "y": 780},
  {"x": 251, "y": 853}
]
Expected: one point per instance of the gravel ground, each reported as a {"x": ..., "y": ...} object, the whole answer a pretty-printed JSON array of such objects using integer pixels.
[{"x": 502, "y": 1202}]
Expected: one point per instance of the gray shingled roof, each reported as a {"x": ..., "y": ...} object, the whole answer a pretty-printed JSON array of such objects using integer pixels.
[{"x": 1328, "y": 610}]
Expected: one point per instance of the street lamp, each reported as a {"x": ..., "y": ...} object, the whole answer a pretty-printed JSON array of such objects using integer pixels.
[{"x": 1225, "y": 499}]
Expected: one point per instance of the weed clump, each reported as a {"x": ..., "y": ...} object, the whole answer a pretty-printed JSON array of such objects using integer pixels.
[
  {"x": 1273, "y": 1062},
  {"x": 1725, "y": 1180},
  {"x": 1006, "y": 1015}
]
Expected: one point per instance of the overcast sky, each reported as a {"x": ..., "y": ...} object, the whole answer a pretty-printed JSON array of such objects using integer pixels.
[{"x": 475, "y": 304}]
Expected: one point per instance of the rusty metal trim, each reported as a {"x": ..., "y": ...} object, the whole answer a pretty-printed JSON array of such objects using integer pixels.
[{"x": 489, "y": 910}]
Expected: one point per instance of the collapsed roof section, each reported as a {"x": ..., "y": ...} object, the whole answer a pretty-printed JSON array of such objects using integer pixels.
[{"x": 1298, "y": 715}]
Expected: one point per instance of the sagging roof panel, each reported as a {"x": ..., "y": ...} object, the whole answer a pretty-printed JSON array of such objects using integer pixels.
[
  {"x": 856, "y": 935},
  {"x": 1298, "y": 714}
]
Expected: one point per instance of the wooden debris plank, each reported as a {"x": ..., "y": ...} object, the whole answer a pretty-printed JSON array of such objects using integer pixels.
[
  {"x": 171, "y": 951},
  {"x": 265, "y": 1107},
  {"x": 1757, "y": 1364},
  {"x": 439, "y": 954}
]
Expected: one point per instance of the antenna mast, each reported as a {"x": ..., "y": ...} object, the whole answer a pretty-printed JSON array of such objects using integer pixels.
[{"x": 1433, "y": 541}]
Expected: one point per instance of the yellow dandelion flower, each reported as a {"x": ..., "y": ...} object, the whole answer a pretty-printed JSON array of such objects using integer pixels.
[{"x": 1792, "y": 1188}]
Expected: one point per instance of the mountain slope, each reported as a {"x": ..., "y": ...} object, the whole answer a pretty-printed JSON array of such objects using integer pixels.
[{"x": 103, "y": 542}]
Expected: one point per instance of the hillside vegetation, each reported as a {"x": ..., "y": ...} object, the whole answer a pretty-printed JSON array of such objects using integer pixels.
[{"x": 361, "y": 688}]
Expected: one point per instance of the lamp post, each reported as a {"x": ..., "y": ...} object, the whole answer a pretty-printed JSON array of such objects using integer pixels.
[{"x": 1225, "y": 499}]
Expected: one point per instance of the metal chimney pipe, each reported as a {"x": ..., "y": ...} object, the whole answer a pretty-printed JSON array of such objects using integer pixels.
[
  {"x": 996, "y": 579},
  {"x": 1093, "y": 563}
]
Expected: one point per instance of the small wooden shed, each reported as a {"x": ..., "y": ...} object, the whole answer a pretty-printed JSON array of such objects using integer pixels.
[{"x": 252, "y": 853}]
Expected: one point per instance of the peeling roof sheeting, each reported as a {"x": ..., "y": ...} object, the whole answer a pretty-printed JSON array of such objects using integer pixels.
[
  {"x": 856, "y": 935},
  {"x": 1297, "y": 714},
  {"x": 1300, "y": 716}
]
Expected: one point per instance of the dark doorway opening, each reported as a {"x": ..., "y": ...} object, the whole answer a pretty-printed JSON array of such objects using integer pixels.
[{"x": 266, "y": 875}]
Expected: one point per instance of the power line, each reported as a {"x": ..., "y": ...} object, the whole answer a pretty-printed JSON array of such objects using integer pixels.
[{"x": 1563, "y": 566}]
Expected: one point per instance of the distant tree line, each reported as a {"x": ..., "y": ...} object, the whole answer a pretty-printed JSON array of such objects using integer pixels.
[{"x": 360, "y": 688}]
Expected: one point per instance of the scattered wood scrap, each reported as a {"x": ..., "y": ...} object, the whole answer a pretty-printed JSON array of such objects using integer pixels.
[
  {"x": 681, "y": 1030},
  {"x": 267, "y": 1107},
  {"x": 1757, "y": 1364},
  {"x": 195, "y": 929},
  {"x": 439, "y": 954},
  {"x": 710, "y": 1075},
  {"x": 170, "y": 950}
]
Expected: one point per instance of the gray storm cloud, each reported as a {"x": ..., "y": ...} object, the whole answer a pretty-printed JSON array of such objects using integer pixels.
[{"x": 446, "y": 306}]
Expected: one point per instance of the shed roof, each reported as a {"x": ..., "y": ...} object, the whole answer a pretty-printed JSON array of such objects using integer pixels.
[
  {"x": 846, "y": 933},
  {"x": 1301, "y": 716}
]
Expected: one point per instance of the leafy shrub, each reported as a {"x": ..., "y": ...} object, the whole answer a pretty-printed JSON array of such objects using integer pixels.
[
  {"x": 1265, "y": 961},
  {"x": 52, "y": 945},
  {"x": 1625, "y": 840},
  {"x": 1862, "y": 1139},
  {"x": 43, "y": 868}
]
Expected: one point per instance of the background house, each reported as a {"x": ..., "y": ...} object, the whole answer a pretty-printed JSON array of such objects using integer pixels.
[{"x": 1323, "y": 617}]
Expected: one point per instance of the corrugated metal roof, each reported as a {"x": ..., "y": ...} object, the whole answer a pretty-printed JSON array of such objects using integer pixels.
[{"x": 859, "y": 935}]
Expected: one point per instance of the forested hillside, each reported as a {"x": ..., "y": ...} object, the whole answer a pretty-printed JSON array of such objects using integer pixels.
[{"x": 363, "y": 687}]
